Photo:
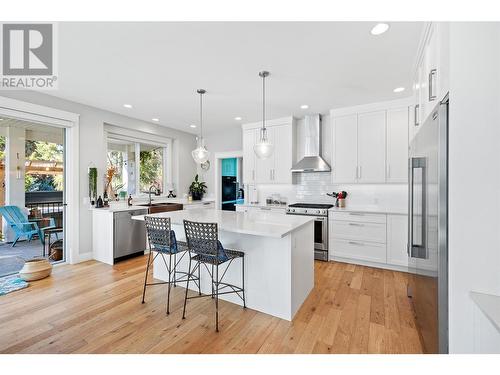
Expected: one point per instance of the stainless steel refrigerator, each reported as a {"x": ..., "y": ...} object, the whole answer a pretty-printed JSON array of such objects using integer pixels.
[{"x": 428, "y": 229}]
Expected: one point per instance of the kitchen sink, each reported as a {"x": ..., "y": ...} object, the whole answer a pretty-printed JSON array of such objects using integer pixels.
[
  {"x": 162, "y": 207},
  {"x": 157, "y": 204}
]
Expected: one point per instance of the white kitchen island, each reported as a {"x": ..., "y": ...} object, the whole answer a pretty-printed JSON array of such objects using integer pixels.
[{"x": 279, "y": 257}]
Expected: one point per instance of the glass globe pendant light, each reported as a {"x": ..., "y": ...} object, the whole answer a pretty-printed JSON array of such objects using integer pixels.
[
  {"x": 200, "y": 154},
  {"x": 263, "y": 148}
]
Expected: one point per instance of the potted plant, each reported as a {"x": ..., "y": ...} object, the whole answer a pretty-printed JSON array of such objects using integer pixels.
[
  {"x": 93, "y": 184},
  {"x": 197, "y": 189}
]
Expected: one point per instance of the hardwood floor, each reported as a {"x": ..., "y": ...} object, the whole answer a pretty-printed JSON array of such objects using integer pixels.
[{"x": 95, "y": 308}]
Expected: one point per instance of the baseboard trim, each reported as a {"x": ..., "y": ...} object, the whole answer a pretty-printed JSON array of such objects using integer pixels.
[{"x": 386, "y": 266}]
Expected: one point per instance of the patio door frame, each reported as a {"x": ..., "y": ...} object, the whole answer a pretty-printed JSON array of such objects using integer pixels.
[{"x": 70, "y": 121}]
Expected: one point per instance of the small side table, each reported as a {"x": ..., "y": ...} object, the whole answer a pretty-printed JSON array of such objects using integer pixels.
[{"x": 47, "y": 236}]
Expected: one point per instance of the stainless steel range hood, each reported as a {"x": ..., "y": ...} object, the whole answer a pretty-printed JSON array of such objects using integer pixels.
[{"x": 312, "y": 160}]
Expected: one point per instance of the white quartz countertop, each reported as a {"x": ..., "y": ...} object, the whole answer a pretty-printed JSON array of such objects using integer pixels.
[
  {"x": 123, "y": 206},
  {"x": 263, "y": 205},
  {"x": 372, "y": 210},
  {"x": 266, "y": 224}
]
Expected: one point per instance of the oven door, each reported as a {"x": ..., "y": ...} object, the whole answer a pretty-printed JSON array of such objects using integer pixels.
[{"x": 321, "y": 238}]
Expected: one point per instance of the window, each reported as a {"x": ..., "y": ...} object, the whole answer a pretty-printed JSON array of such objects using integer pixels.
[
  {"x": 150, "y": 167},
  {"x": 123, "y": 166}
]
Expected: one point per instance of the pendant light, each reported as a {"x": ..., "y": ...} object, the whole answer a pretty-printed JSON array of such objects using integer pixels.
[
  {"x": 200, "y": 154},
  {"x": 263, "y": 148}
]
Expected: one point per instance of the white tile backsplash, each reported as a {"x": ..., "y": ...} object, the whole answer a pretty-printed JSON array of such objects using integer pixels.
[{"x": 312, "y": 188}]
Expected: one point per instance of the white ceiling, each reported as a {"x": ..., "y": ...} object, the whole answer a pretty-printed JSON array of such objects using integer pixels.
[{"x": 157, "y": 68}]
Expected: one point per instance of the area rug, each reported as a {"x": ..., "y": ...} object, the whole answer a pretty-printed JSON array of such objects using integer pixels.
[{"x": 11, "y": 283}]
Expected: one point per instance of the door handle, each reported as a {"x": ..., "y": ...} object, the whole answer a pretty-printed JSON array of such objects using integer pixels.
[
  {"x": 356, "y": 225},
  {"x": 432, "y": 75},
  {"x": 418, "y": 250},
  {"x": 356, "y": 243}
]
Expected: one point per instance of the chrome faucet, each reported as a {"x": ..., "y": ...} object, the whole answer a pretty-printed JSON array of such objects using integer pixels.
[{"x": 149, "y": 192}]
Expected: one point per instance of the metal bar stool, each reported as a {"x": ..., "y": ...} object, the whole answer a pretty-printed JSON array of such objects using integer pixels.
[
  {"x": 162, "y": 242},
  {"x": 205, "y": 248}
]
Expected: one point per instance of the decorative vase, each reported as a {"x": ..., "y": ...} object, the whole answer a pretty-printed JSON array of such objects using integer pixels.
[
  {"x": 197, "y": 196},
  {"x": 35, "y": 269}
]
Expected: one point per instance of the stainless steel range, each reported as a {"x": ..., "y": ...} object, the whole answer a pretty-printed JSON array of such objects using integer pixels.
[{"x": 320, "y": 212}]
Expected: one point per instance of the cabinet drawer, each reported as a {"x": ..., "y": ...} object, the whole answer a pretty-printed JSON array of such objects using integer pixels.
[
  {"x": 356, "y": 231},
  {"x": 369, "y": 251},
  {"x": 358, "y": 217}
]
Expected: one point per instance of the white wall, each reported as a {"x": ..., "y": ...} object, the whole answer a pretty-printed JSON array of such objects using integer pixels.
[
  {"x": 228, "y": 140},
  {"x": 93, "y": 148},
  {"x": 474, "y": 146}
]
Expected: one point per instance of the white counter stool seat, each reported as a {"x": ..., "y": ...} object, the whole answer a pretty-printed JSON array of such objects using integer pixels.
[
  {"x": 205, "y": 248},
  {"x": 163, "y": 242}
]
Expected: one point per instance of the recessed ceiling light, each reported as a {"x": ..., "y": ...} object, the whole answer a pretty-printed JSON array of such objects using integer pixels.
[
  {"x": 304, "y": 106},
  {"x": 127, "y": 105},
  {"x": 237, "y": 118},
  {"x": 192, "y": 126},
  {"x": 379, "y": 28},
  {"x": 155, "y": 119},
  {"x": 399, "y": 89}
]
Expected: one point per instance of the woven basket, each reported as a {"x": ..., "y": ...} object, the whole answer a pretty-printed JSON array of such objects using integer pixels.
[{"x": 35, "y": 269}]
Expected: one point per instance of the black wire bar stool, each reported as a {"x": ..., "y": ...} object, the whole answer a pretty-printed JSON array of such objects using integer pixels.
[
  {"x": 205, "y": 248},
  {"x": 162, "y": 242}
]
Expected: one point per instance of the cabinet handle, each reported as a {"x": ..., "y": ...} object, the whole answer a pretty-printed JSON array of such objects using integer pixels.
[
  {"x": 270, "y": 174},
  {"x": 266, "y": 208},
  {"x": 357, "y": 172},
  {"x": 360, "y": 172},
  {"x": 253, "y": 174},
  {"x": 274, "y": 174},
  {"x": 356, "y": 214},
  {"x": 388, "y": 171},
  {"x": 416, "y": 115},
  {"x": 356, "y": 243},
  {"x": 432, "y": 75},
  {"x": 356, "y": 225}
]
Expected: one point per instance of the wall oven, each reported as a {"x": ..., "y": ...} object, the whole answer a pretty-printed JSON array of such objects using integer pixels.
[{"x": 320, "y": 214}]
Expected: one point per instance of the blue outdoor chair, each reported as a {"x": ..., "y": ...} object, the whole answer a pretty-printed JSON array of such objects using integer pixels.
[{"x": 22, "y": 226}]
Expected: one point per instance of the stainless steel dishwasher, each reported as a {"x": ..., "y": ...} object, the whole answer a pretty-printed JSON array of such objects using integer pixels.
[{"x": 129, "y": 236}]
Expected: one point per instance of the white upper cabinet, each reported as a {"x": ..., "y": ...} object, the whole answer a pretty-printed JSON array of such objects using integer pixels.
[
  {"x": 370, "y": 142},
  {"x": 277, "y": 168},
  {"x": 397, "y": 145},
  {"x": 345, "y": 155},
  {"x": 371, "y": 147},
  {"x": 283, "y": 158},
  {"x": 431, "y": 76},
  {"x": 249, "y": 136}
]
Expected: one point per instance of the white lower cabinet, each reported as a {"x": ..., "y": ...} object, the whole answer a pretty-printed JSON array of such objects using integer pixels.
[
  {"x": 361, "y": 250},
  {"x": 397, "y": 238},
  {"x": 377, "y": 240}
]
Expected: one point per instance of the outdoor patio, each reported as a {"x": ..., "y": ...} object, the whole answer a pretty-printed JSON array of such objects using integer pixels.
[{"x": 12, "y": 258}]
